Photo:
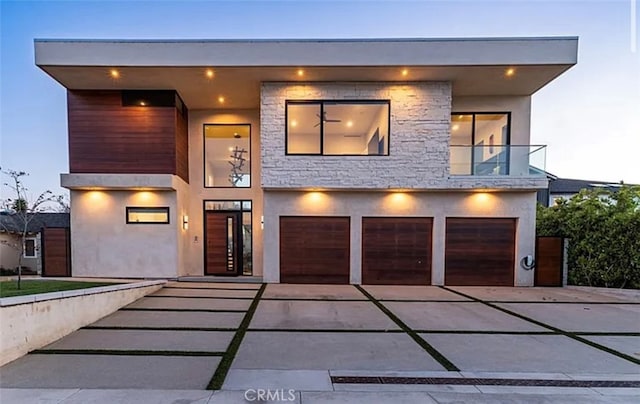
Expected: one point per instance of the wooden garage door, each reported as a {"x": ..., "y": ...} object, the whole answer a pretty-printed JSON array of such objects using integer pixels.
[
  {"x": 396, "y": 251},
  {"x": 480, "y": 252},
  {"x": 314, "y": 249}
]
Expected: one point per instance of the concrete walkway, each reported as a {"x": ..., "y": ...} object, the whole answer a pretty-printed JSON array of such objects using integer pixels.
[{"x": 344, "y": 344}]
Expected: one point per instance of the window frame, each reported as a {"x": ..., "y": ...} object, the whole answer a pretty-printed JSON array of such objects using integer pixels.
[
  {"x": 473, "y": 124},
  {"x": 473, "y": 133},
  {"x": 241, "y": 210},
  {"x": 321, "y": 102},
  {"x": 204, "y": 155},
  {"x": 35, "y": 247},
  {"x": 147, "y": 208}
]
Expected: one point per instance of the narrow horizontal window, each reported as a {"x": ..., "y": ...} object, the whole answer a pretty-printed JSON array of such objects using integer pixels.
[
  {"x": 334, "y": 128},
  {"x": 147, "y": 215}
]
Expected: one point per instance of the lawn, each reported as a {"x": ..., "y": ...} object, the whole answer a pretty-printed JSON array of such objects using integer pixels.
[{"x": 31, "y": 287}]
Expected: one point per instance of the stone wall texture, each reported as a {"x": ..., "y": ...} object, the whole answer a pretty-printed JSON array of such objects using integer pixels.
[
  {"x": 418, "y": 151},
  {"x": 419, "y": 138}
]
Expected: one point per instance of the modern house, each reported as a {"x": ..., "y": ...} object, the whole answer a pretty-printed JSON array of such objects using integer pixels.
[{"x": 375, "y": 161}]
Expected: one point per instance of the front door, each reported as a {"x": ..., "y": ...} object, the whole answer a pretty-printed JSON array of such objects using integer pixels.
[{"x": 223, "y": 249}]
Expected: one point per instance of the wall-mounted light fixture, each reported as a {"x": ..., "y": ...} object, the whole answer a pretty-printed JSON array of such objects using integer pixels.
[{"x": 185, "y": 222}]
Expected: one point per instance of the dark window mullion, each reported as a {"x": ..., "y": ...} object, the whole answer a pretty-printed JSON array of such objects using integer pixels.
[{"x": 322, "y": 128}]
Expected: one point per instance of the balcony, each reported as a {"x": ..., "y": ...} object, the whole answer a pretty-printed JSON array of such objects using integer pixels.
[{"x": 498, "y": 160}]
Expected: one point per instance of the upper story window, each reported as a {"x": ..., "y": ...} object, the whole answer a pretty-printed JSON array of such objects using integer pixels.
[
  {"x": 480, "y": 143},
  {"x": 353, "y": 128},
  {"x": 227, "y": 155}
]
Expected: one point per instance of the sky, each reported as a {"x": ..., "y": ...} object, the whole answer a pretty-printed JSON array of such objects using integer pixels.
[{"x": 589, "y": 117}]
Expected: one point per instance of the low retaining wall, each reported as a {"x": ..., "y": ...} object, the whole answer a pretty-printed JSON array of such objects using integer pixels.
[{"x": 33, "y": 321}]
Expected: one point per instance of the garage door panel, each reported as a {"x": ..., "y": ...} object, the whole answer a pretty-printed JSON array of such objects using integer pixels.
[
  {"x": 314, "y": 249},
  {"x": 480, "y": 251},
  {"x": 396, "y": 251}
]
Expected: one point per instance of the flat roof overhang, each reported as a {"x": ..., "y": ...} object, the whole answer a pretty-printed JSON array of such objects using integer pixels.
[{"x": 475, "y": 66}]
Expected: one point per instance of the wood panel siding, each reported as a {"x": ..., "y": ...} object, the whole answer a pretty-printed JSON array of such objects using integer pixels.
[
  {"x": 56, "y": 252},
  {"x": 480, "y": 251},
  {"x": 549, "y": 261},
  {"x": 182, "y": 144},
  {"x": 396, "y": 251},
  {"x": 107, "y": 138},
  {"x": 314, "y": 249}
]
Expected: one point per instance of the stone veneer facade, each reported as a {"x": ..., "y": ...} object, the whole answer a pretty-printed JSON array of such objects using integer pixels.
[{"x": 419, "y": 138}]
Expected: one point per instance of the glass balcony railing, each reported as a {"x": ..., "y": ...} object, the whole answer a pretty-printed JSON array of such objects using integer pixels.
[{"x": 498, "y": 160}]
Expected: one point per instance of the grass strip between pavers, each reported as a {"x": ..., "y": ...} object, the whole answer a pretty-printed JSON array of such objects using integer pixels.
[
  {"x": 446, "y": 363},
  {"x": 311, "y": 299},
  {"x": 329, "y": 330},
  {"x": 217, "y": 380},
  {"x": 205, "y": 288},
  {"x": 202, "y": 297},
  {"x": 142, "y": 328},
  {"x": 554, "y": 302},
  {"x": 182, "y": 310},
  {"x": 123, "y": 352},
  {"x": 484, "y": 332},
  {"x": 569, "y": 334}
]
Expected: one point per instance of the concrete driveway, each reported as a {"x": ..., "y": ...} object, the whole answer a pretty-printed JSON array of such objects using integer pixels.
[{"x": 327, "y": 342}]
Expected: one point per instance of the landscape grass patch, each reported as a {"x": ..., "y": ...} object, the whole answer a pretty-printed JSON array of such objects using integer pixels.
[{"x": 32, "y": 287}]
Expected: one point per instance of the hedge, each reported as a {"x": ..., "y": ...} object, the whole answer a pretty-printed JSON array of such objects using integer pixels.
[{"x": 604, "y": 232}]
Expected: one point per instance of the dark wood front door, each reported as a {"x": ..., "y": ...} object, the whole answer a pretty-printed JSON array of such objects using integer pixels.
[
  {"x": 314, "y": 249},
  {"x": 223, "y": 246},
  {"x": 479, "y": 251},
  {"x": 396, "y": 250}
]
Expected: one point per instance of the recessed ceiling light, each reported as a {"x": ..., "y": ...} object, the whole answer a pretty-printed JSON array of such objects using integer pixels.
[
  {"x": 209, "y": 73},
  {"x": 114, "y": 73},
  {"x": 405, "y": 72},
  {"x": 230, "y": 148},
  {"x": 349, "y": 123},
  {"x": 510, "y": 72},
  {"x": 455, "y": 127},
  {"x": 221, "y": 100},
  {"x": 294, "y": 123},
  {"x": 300, "y": 72}
]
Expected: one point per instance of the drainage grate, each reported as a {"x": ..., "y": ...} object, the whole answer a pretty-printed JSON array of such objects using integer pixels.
[{"x": 483, "y": 382}]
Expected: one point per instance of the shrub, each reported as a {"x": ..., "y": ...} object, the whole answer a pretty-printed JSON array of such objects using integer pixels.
[{"x": 604, "y": 232}]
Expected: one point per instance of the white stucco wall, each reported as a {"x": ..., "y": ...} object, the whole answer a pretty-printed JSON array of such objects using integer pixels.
[
  {"x": 439, "y": 205},
  {"x": 28, "y": 324},
  {"x": 193, "y": 239},
  {"x": 104, "y": 245}
]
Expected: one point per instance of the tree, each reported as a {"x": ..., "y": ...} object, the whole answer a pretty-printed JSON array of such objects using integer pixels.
[
  {"x": 604, "y": 232},
  {"x": 23, "y": 211}
]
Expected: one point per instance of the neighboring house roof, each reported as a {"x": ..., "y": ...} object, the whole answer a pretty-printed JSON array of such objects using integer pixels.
[
  {"x": 571, "y": 186},
  {"x": 12, "y": 223}
]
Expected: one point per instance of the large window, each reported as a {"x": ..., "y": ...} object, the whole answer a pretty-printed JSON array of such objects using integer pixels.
[
  {"x": 356, "y": 128},
  {"x": 479, "y": 143},
  {"x": 227, "y": 155}
]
